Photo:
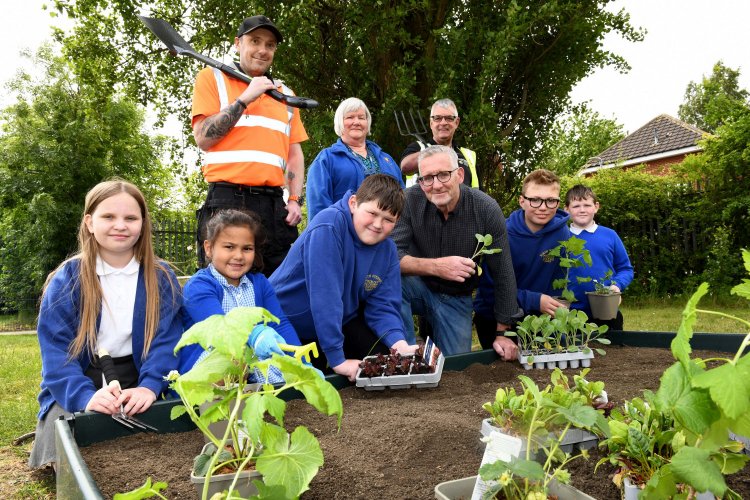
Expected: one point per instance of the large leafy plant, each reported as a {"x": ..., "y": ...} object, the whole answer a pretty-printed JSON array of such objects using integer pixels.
[
  {"x": 703, "y": 403},
  {"x": 255, "y": 418},
  {"x": 522, "y": 477}
]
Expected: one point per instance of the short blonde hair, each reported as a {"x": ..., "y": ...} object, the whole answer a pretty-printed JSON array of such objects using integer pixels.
[{"x": 347, "y": 106}]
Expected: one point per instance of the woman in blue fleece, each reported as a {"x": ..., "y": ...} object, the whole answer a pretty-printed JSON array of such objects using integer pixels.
[
  {"x": 233, "y": 279},
  {"x": 344, "y": 165},
  {"x": 340, "y": 284},
  {"x": 113, "y": 296}
]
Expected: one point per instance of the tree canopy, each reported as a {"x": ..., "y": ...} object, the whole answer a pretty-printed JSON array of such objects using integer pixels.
[
  {"x": 577, "y": 137},
  {"x": 715, "y": 100},
  {"x": 58, "y": 141},
  {"x": 509, "y": 66}
]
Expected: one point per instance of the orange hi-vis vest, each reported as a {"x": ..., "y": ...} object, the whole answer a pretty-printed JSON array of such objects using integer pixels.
[{"x": 256, "y": 150}]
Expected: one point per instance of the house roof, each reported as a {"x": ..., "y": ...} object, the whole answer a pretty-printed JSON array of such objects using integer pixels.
[{"x": 662, "y": 137}]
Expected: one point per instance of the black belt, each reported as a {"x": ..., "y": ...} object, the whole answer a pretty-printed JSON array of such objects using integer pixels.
[{"x": 239, "y": 188}]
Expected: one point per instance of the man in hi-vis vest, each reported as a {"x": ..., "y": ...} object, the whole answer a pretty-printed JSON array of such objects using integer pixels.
[
  {"x": 444, "y": 122},
  {"x": 251, "y": 142}
]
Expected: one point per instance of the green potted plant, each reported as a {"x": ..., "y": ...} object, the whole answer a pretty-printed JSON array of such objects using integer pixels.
[
  {"x": 522, "y": 477},
  {"x": 604, "y": 301},
  {"x": 697, "y": 406},
  {"x": 255, "y": 447},
  {"x": 570, "y": 253}
]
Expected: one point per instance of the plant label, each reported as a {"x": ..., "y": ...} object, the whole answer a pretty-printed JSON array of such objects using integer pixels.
[
  {"x": 499, "y": 447},
  {"x": 430, "y": 352}
]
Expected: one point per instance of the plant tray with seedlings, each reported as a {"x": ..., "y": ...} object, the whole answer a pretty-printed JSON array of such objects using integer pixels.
[
  {"x": 402, "y": 371},
  {"x": 560, "y": 360},
  {"x": 575, "y": 439}
]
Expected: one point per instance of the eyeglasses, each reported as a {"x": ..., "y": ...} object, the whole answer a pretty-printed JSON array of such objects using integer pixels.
[
  {"x": 447, "y": 118},
  {"x": 537, "y": 202},
  {"x": 443, "y": 177}
]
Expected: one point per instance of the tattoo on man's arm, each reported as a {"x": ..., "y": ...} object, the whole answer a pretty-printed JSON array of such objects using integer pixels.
[
  {"x": 290, "y": 176},
  {"x": 219, "y": 125}
]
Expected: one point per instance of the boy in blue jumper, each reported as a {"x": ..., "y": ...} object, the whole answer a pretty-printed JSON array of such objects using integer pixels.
[
  {"x": 533, "y": 229},
  {"x": 340, "y": 284},
  {"x": 606, "y": 249}
]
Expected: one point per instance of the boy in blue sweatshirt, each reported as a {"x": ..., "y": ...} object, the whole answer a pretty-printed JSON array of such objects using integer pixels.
[
  {"x": 340, "y": 284},
  {"x": 533, "y": 229},
  {"x": 606, "y": 249}
]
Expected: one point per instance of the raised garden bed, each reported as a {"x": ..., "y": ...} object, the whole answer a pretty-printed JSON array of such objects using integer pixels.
[{"x": 431, "y": 435}]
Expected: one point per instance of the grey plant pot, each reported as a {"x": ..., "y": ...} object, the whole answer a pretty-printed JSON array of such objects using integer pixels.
[
  {"x": 604, "y": 306},
  {"x": 463, "y": 488},
  {"x": 220, "y": 482}
]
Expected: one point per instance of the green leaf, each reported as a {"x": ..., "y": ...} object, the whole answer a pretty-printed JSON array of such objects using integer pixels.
[
  {"x": 528, "y": 469},
  {"x": 256, "y": 406},
  {"x": 743, "y": 289},
  {"x": 691, "y": 407},
  {"x": 731, "y": 462},
  {"x": 196, "y": 386},
  {"x": 177, "y": 411},
  {"x": 148, "y": 490},
  {"x": 694, "y": 466},
  {"x": 318, "y": 392},
  {"x": 289, "y": 461},
  {"x": 681, "y": 343},
  {"x": 729, "y": 385}
]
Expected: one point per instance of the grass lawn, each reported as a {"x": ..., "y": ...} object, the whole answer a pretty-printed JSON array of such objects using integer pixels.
[{"x": 21, "y": 364}]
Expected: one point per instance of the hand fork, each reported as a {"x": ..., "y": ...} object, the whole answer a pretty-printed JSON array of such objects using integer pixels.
[
  {"x": 110, "y": 374},
  {"x": 301, "y": 351}
]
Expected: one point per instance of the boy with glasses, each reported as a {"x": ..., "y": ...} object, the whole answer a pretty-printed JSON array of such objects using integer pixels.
[
  {"x": 444, "y": 122},
  {"x": 435, "y": 238},
  {"x": 533, "y": 229}
]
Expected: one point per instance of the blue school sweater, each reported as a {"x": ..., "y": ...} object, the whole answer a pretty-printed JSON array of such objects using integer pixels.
[
  {"x": 203, "y": 297},
  {"x": 607, "y": 252},
  {"x": 64, "y": 380},
  {"x": 329, "y": 273}
]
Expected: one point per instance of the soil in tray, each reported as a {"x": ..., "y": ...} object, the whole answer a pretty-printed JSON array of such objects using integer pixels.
[{"x": 394, "y": 444}]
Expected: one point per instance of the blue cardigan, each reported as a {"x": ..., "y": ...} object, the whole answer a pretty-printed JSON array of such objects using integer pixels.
[
  {"x": 64, "y": 380},
  {"x": 337, "y": 170},
  {"x": 329, "y": 273},
  {"x": 203, "y": 296}
]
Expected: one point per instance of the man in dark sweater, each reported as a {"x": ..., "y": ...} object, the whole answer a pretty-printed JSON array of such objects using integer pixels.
[{"x": 435, "y": 237}]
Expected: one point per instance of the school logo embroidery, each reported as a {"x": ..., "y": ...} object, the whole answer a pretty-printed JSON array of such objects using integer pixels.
[{"x": 372, "y": 281}]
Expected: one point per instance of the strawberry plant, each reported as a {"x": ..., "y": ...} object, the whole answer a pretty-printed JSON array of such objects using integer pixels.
[
  {"x": 255, "y": 435},
  {"x": 524, "y": 478}
]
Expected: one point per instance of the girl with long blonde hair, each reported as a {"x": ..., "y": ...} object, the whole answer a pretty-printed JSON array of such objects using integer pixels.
[{"x": 114, "y": 296}]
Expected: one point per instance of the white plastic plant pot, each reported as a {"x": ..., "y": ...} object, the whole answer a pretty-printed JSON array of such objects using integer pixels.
[
  {"x": 631, "y": 490},
  {"x": 463, "y": 488},
  {"x": 419, "y": 380},
  {"x": 604, "y": 307},
  {"x": 562, "y": 360},
  {"x": 221, "y": 482}
]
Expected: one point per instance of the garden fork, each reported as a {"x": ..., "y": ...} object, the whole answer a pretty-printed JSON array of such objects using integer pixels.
[
  {"x": 109, "y": 376},
  {"x": 308, "y": 351},
  {"x": 413, "y": 126}
]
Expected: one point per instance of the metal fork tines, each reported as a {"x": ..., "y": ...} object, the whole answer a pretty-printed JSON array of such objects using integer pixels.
[
  {"x": 414, "y": 125},
  {"x": 132, "y": 422}
]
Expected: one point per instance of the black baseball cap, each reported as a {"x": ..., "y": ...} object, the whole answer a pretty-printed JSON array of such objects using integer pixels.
[{"x": 255, "y": 22}]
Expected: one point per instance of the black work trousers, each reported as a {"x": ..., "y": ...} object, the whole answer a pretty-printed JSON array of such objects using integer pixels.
[{"x": 266, "y": 202}]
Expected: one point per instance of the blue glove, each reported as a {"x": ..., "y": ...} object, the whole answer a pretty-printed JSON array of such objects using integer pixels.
[{"x": 265, "y": 341}]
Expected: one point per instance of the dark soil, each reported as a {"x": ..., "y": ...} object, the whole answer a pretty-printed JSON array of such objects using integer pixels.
[{"x": 394, "y": 443}]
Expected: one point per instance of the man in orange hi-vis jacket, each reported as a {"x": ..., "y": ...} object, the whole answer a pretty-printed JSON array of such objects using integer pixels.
[{"x": 251, "y": 142}]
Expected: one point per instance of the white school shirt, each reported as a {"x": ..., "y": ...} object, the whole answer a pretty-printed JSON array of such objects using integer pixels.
[
  {"x": 589, "y": 229},
  {"x": 118, "y": 302}
]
